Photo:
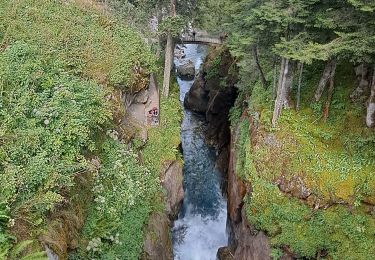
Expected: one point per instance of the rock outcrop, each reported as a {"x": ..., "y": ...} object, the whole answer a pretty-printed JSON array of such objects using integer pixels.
[
  {"x": 158, "y": 241},
  {"x": 224, "y": 253},
  {"x": 251, "y": 245},
  {"x": 172, "y": 182},
  {"x": 245, "y": 242},
  {"x": 214, "y": 96},
  {"x": 186, "y": 71},
  {"x": 197, "y": 99},
  {"x": 140, "y": 105}
]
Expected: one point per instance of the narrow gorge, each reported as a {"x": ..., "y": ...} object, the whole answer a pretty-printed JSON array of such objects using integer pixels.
[
  {"x": 201, "y": 226},
  {"x": 187, "y": 130}
]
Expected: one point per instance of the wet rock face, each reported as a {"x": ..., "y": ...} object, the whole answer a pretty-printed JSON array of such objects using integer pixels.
[
  {"x": 172, "y": 182},
  {"x": 218, "y": 130},
  {"x": 236, "y": 187},
  {"x": 224, "y": 253},
  {"x": 251, "y": 247},
  {"x": 186, "y": 71},
  {"x": 214, "y": 96},
  {"x": 197, "y": 98},
  {"x": 246, "y": 243},
  {"x": 157, "y": 243}
]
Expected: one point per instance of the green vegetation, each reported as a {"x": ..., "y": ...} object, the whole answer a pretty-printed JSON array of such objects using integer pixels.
[
  {"x": 172, "y": 25},
  {"x": 126, "y": 191},
  {"x": 333, "y": 160},
  {"x": 336, "y": 231},
  {"x": 163, "y": 141},
  {"x": 123, "y": 193},
  {"x": 59, "y": 62},
  {"x": 65, "y": 164},
  {"x": 310, "y": 163}
]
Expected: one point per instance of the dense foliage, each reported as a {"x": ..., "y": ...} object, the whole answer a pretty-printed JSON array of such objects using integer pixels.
[
  {"x": 125, "y": 192},
  {"x": 311, "y": 166},
  {"x": 60, "y": 64},
  {"x": 123, "y": 199}
]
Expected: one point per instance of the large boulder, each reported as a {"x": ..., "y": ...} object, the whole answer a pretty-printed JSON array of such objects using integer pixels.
[
  {"x": 224, "y": 253},
  {"x": 186, "y": 71},
  {"x": 197, "y": 97},
  {"x": 179, "y": 53}
]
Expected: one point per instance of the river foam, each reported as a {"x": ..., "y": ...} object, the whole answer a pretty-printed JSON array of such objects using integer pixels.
[{"x": 200, "y": 229}]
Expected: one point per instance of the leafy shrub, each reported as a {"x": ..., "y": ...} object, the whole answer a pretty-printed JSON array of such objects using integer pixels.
[
  {"x": 59, "y": 60},
  {"x": 173, "y": 25},
  {"x": 123, "y": 194},
  {"x": 213, "y": 68},
  {"x": 83, "y": 39},
  {"x": 48, "y": 118},
  {"x": 163, "y": 141},
  {"x": 126, "y": 192}
]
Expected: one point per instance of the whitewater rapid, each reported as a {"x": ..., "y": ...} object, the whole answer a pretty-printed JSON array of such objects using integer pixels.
[{"x": 200, "y": 229}]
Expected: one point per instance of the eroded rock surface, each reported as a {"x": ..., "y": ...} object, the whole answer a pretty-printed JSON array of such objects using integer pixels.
[
  {"x": 172, "y": 182},
  {"x": 158, "y": 240},
  {"x": 197, "y": 98},
  {"x": 245, "y": 242},
  {"x": 186, "y": 71},
  {"x": 158, "y": 243},
  {"x": 214, "y": 96}
]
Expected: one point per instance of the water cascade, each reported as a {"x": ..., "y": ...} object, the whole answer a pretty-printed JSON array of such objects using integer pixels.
[{"x": 201, "y": 226}]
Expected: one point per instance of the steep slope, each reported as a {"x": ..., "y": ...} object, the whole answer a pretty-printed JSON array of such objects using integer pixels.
[
  {"x": 309, "y": 184},
  {"x": 65, "y": 162}
]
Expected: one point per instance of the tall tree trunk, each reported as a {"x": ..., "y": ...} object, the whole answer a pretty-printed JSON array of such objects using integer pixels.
[
  {"x": 256, "y": 58},
  {"x": 274, "y": 91},
  {"x": 159, "y": 17},
  {"x": 168, "y": 65},
  {"x": 280, "y": 91},
  {"x": 283, "y": 98},
  {"x": 370, "y": 116},
  {"x": 299, "y": 87},
  {"x": 173, "y": 8},
  {"x": 328, "y": 72},
  {"x": 330, "y": 95},
  {"x": 287, "y": 98},
  {"x": 169, "y": 55}
]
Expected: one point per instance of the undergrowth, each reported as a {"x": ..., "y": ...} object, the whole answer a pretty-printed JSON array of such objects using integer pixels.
[
  {"x": 124, "y": 193},
  {"x": 128, "y": 189},
  {"x": 333, "y": 161},
  {"x": 60, "y": 62},
  {"x": 163, "y": 141}
]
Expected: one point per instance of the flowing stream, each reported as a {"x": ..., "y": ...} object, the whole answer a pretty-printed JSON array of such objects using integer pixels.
[{"x": 200, "y": 229}]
